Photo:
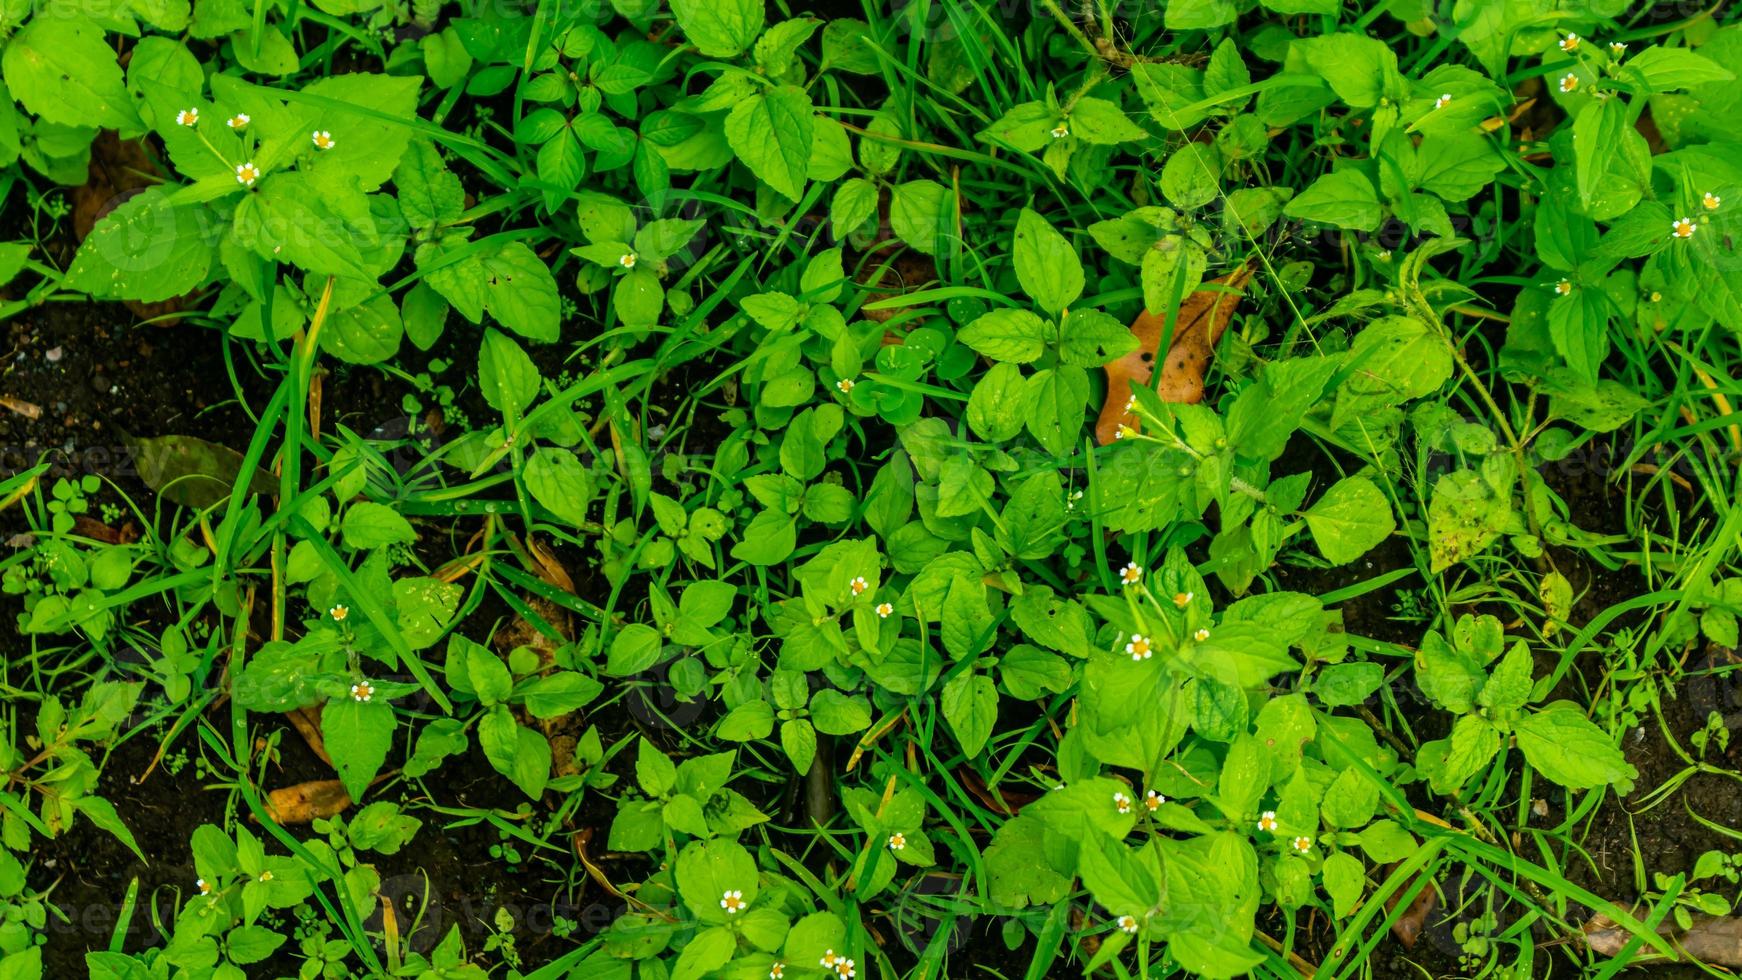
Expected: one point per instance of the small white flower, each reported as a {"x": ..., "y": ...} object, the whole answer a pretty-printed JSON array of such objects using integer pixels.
[
  {"x": 733, "y": 902},
  {"x": 1683, "y": 228},
  {"x": 844, "y": 969},
  {"x": 265, "y": 876},
  {"x": 1617, "y": 48},
  {"x": 247, "y": 174},
  {"x": 1570, "y": 42},
  {"x": 1182, "y": 599},
  {"x": 322, "y": 139},
  {"x": 1060, "y": 131},
  {"x": 200, "y": 883},
  {"x": 1569, "y": 81},
  {"x": 1071, "y": 500},
  {"x": 188, "y": 117},
  {"x": 1302, "y": 844},
  {"x": 1153, "y": 800},
  {"x": 1443, "y": 101},
  {"x": 830, "y": 959},
  {"x": 1267, "y": 821},
  {"x": 1123, "y": 431},
  {"x": 1139, "y": 647},
  {"x": 1121, "y": 802},
  {"x": 238, "y": 120},
  {"x": 627, "y": 260},
  {"x": 897, "y": 841},
  {"x": 339, "y": 612},
  {"x": 1131, "y": 573},
  {"x": 860, "y": 585},
  {"x": 884, "y": 609},
  {"x": 1128, "y": 925},
  {"x": 844, "y": 386},
  {"x": 362, "y": 691},
  {"x": 776, "y": 971},
  {"x": 1201, "y": 635},
  {"x": 1131, "y": 404},
  {"x": 1564, "y": 287},
  {"x": 1711, "y": 201}
]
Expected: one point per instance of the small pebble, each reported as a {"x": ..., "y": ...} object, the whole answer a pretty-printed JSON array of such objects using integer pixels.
[
  {"x": 53, "y": 355},
  {"x": 99, "y": 384}
]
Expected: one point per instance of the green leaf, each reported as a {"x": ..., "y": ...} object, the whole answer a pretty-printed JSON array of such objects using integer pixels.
[
  {"x": 707, "y": 952},
  {"x": 1361, "y": 70},
  {"x": 521, "y": 294},
  {"x": 1344, "y": 198},
  {"x": 489, "y": 676},
  {"x": 854, "y": 204},
  {"x": 749, "y": 721},
  {"x": 636, "y": 648},
  {"x": 1091, "y": 338},
  {"x": 999, "y": 403},
  {"x": 1046, "y": 265},
  {"x": 1567, "y": 748},
  {"x": 1011, "y": 335},
  {"x": 357, "y": 735},
  {"x": 1352, "y": 518},
  {"x": 371, "y": 525},
  {"x": 1344, "y": 881},
  {"x": 772, "y": 134},
  {"x": 706, "y": 871},
  {"x": 834, "y": 713},
  {"x": 720, "y": 28},
  {"x": 1191, "y": 15},
  {"x": 148, "y": 249},
  {"x": 62, "y": 70},
  {"x": 970, "y": 703},
  {"x": 1665, "y": 69},
  {"x": 558, "y": 481},
  {"x": 506, "y": 376},
  {"x": 292, "y": 219},
  {"x": 1596, "y": 129},
  {"x": 917, "y": 214},
  {"x": 191, "y": 471}
]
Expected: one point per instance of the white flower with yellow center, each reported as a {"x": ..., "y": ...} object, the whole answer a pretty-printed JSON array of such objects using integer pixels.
[
  {"x": 1569, "y": 82},
  {"x": 1123, "y": 431},
  {"x": 1128, "y": 925},
  {"x": 1139, "y": 647},
  {"x": 188, "y": 117},
  {"x": 1131, "y": 404},
  {"x": 844, "y": 969},
  {"x": 1121, "y": 802},
  {"x": 844, "y": 386},
  {"x": 1302, "y": 844},
  {"x": 1182, "y": 599},
  {"x": 897, "y": 841},
  {"x": 1443, "y": 101},
  {"x": 1267, "y": 821},
  {"x": 1711, "y": 201},
  {"x": 362, "y": 691},
  {"x": 203, "y": 886},
  {"x": 265, "y": 876},
  {"x": 1131, "y": 574},
  {"x": 733, "y": 902},
  {"x": 322, "y": 139},
  {"x": 1201, "y": 635},
  {"x": 1683, "y": 228},
  {"x": 1153, "y": 800},
  {"x": 776, "y": 970},
  {"x": 1617, "y": 48},
  {"x": 339, "y": 612},
  {"x": 860, "y": 585},
  {"x": 247, "y": 174},
  {"x": 884, "y": 609},
  {"x": 1569, "y": 43},
  {"x": 830, "y": 959},
  {"x": 627, "y": 260},
  {"x": 1564, "y": 287},
  {"x": 1060, "y": 131},
  {"x": 238, "y": 120}
]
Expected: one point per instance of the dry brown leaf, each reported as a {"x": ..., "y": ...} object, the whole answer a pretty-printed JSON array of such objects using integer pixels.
[
  {"x": 1202, "y": 318},
  {"x": 307, "y": 722},
  {"x": 29, "y": 410},
  {"x": 1712, "y": 940},
  {"x": 550, "y": 569},
  {"x": 308, "y": 801},
  {"x": 1409, "y": 925}
]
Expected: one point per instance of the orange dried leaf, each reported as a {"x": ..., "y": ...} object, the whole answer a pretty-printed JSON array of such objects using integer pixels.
[
  {"x": 1202, "y": 318},
  {"x": 308, "y": 801}
]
